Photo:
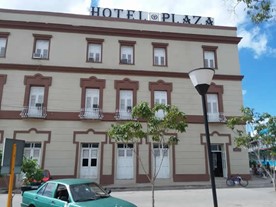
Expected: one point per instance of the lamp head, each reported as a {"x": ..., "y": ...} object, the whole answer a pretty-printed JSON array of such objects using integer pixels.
[{"x": 201, "y": 79}]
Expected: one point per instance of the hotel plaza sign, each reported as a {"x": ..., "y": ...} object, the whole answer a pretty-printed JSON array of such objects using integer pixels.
[{"x": 141, "y": 15}]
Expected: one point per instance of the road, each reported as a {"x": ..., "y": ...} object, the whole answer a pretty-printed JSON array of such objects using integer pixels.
[{"x": 227, "y": 197}]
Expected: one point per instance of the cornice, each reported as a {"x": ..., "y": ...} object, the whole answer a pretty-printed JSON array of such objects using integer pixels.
[
  {"x": 105, "y": 71},
  {"x": 118, "y": 32}
]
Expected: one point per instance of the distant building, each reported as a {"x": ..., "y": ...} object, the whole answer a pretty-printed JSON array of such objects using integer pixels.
[{"x": 65, "y": 78}]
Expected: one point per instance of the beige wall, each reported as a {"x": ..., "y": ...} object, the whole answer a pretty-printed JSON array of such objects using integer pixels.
[{"x": 69, "y": 50}]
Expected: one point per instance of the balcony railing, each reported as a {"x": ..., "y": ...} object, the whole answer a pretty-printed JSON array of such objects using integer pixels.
[
  {"x": 216, "y": 117},
  {"x": 34, "y": 112},
  {"x": 123, "y": 115},
  {"x": 95, "y": 113}
]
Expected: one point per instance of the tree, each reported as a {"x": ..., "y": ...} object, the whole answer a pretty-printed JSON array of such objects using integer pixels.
[
  {"x": 257, "y": 133},
  {"x": 258, "y": 10},
  {"x": 146, "y": 125}
]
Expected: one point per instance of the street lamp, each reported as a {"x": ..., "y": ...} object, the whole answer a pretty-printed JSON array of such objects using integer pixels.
[{"x": 201, "y": 79}]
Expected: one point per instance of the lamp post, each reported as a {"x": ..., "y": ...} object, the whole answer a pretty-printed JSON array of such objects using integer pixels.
[{"x": 201, "y": 79}]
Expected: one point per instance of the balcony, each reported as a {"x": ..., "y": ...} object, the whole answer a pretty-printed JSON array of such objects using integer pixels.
[
  {"x": 123, "y": 114},
  {"x": 216, "y": 117},
  {"x": 34, "y": 112},
  {"x": 88, "y": 113}
]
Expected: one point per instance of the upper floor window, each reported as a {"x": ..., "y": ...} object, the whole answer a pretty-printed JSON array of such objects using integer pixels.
[
  {"x": 215, "y": 103},
  {"x": 36, "y": 96},
  {"x": 160, "y": 92},
  {"x": 3, "y": 43},
  {"x": 36, "y": 101},
  {"x": 92, "y": 103},
  {"x": 126, "y": 104},
  {"x": 160, "y": 97},
  {"x": 94, "y": 50},
  {"x": 212, "y": 107},
  {"x": 127, "y": 52},
  {"x": 160, "y": 54},
  {"x": 126, "y": 98},
  {"x": 3, "y": 79},
  {"x": 41, "y": 46},
  {"x": 210, "y": 56},
  {"x": 92, "y": 98}
]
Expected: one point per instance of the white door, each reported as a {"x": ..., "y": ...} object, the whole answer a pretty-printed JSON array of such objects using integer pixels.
[
  {"x": 161, "y": 162},
  {"x": 36, "y": 101},
  {"x": 125, "y": 161},
  {"x": 224, "y": 162},
  {"x": 89, "y": 161}
]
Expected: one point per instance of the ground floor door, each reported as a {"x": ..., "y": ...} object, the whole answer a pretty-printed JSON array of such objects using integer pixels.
[
  {"x": 161, "y": 162},
  {"x": 219, "y": 160},
  {"x": 125, "y": 161},
  {"x": 89, "y": 160}
]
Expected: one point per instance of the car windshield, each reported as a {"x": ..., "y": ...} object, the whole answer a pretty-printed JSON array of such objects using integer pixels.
[{"x": 87, "y": 191}]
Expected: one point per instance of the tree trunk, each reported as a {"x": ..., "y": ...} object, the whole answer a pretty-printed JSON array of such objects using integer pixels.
[{"x": 152, "y": 194}]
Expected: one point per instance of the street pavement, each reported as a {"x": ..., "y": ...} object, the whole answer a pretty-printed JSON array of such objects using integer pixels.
[{"x": 259, "y": 193}]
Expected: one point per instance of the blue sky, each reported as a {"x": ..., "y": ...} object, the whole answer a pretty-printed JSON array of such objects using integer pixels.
[{"x": 257, "y": 50}]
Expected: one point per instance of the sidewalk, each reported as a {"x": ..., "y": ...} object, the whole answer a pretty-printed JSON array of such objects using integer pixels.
[{"x": 220, "y": 183}]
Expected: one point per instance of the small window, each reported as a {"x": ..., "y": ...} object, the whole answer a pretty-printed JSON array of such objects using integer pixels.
[
  {"x": 126, "y": 55},
  {"x": 94, "y": 50},
  {"x": 41, "y": 46},
  {"x": 3, "y": 43},
  {"x": 160, "y": 54},
  {"x": 94, "y": 53},
  {"x": 127, "y": 52},
  {"x": 209, "y": 57}
]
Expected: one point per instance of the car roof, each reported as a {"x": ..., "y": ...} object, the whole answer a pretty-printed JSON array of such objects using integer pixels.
[{"x": 72, "y": 181}]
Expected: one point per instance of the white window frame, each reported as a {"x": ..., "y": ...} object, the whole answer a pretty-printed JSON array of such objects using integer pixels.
[
  {"x": 159, "y": 55},
  {"x": 94, "y": 52},
  {"x": 30, "y": 151},
  {"x": 160, "y": 97},
  {"x": 127, "y": 54},
  {"x": 3, "y": 46},
  {"x": 209, "y": 59},
  {"x": 125, "y": 104},
  {"x": 36, "y": 101},
  {"x": 41, "y": 49},
  {"x": 92, "y": 101},
  {"x": 212, "y": 107}
]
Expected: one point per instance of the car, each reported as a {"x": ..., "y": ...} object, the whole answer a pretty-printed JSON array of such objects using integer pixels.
[{"x": 74, "y": 192}]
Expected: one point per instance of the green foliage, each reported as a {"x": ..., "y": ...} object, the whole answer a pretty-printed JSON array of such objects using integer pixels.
[
  {"x": 1, "y": 155},
  {"x": 32, "y": 171},
  {"x": 258, "y": 10},
  {"x": 154, "y": 127},
  {"x": 261, "y": 130}
]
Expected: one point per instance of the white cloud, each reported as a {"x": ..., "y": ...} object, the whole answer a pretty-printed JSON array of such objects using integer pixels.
[
  {"x": 257, "y": 41},
  {"x": 224, "y": 12}
]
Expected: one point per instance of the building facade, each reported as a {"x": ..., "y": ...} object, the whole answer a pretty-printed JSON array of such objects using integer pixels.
[{"x": 65, "y": 78}]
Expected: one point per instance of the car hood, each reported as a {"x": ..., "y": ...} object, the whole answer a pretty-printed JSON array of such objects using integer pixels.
[{"x": 106, "y": 202}]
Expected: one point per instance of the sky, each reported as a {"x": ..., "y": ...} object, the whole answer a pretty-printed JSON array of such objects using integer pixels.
[{"x": 257, "y": 49}]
